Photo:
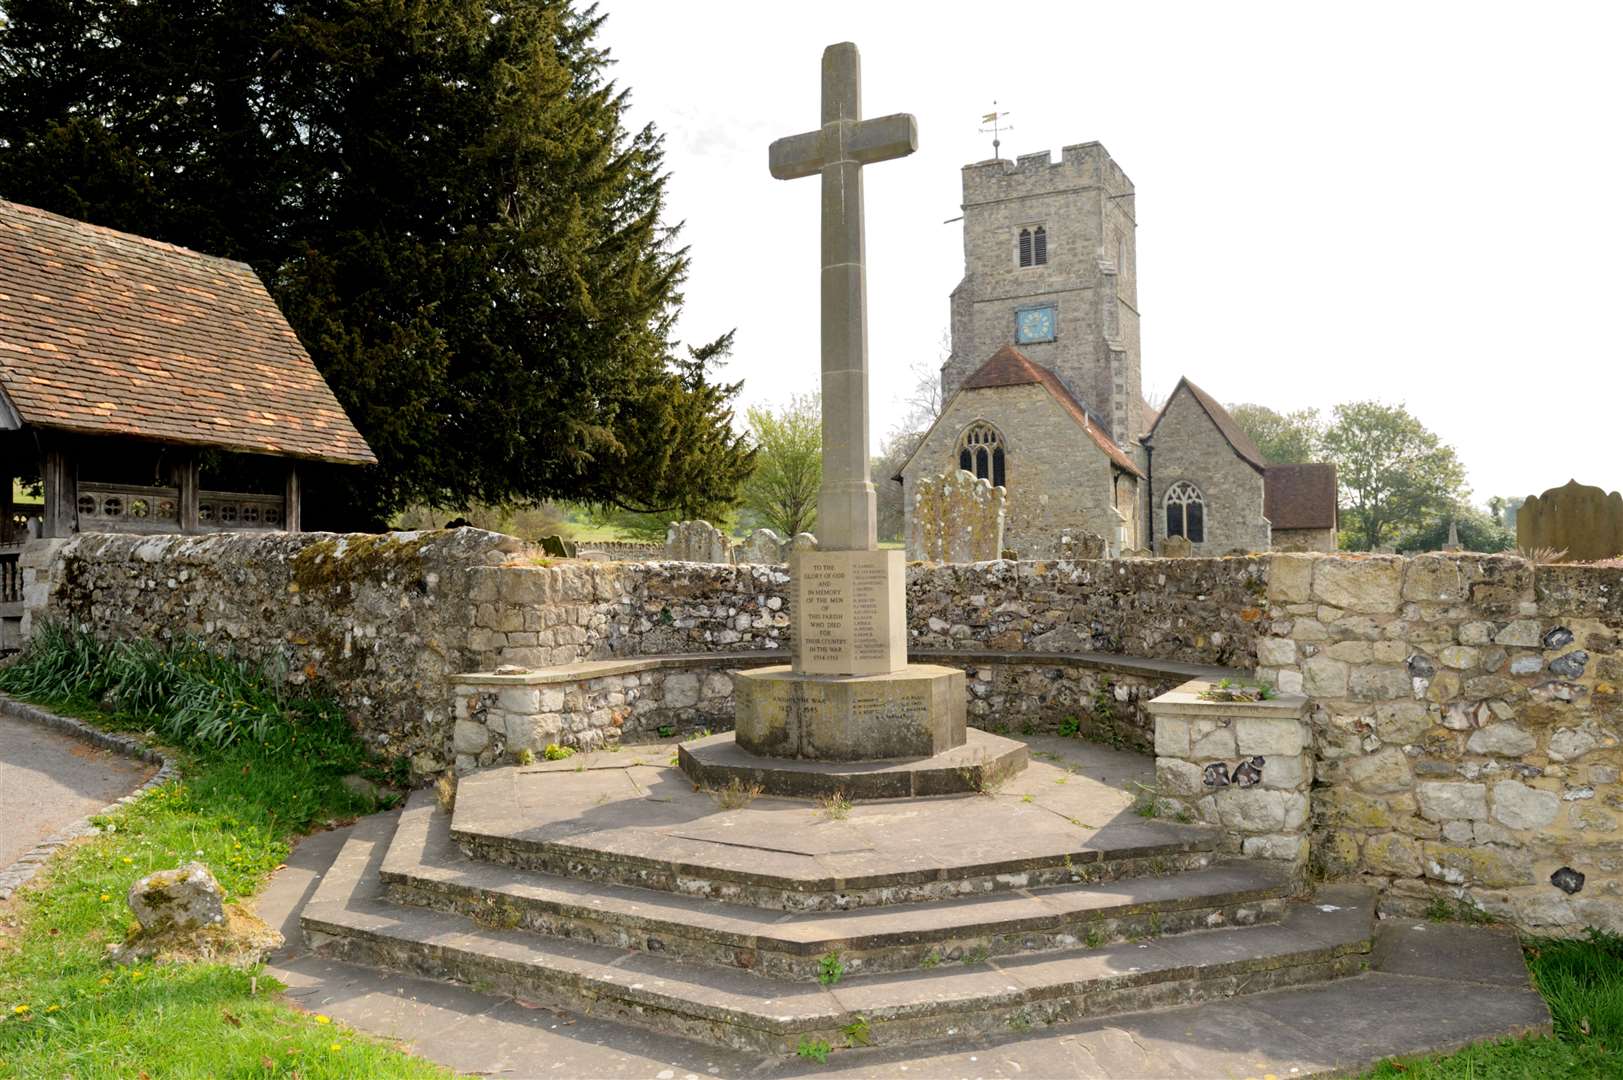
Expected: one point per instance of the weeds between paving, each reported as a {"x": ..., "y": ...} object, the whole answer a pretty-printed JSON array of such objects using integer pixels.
[{"x": 260, "y": 768}]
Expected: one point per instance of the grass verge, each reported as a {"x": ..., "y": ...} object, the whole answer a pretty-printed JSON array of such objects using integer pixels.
[
  {"x": 259, "y": 768},
  {"x": 1582, "y": 980}
]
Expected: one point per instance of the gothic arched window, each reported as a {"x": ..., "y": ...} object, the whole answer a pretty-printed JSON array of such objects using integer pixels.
[
  {"x": 980, "y": 452},
  {"x": 1186, "y": 512}
]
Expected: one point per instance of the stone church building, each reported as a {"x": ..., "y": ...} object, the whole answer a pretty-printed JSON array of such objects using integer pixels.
[{"x": 1043, "y": 392}]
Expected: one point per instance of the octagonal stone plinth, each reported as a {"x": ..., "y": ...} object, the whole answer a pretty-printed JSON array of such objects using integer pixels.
[{"x": 917, "y": 712}]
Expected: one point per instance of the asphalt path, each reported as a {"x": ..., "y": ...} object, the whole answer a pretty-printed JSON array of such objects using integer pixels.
[{"x": 49, "y": 780}]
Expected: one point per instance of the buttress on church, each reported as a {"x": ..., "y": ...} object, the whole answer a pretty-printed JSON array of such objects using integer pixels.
[{"x": 1042, "y": 387}]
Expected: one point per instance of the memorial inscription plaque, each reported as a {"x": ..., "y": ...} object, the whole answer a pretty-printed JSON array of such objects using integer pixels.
[{"x": 849, "y": 612}]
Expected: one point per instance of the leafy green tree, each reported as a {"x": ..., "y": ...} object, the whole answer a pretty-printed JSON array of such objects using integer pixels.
[
  {"x": 788, "y": 442},
  {"x": 1395, "y": 474},
  {"x": 446, "y": 202},
  {"x": 1477, "y": 532},
  {"x": 1284, "y": 438}
]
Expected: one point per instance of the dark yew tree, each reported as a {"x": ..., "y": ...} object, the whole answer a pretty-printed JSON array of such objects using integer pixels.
[{"x": 443, "y": 197}]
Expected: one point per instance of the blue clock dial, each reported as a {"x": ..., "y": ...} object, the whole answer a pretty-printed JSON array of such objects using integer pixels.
[{"x": 1034, "y": 324}]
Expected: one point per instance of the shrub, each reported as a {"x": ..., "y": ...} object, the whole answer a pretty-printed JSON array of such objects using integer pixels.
[{"x": 188, "y": 694}]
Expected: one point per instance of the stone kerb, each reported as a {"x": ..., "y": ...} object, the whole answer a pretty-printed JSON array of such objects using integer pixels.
[
  {"x": 1244, "y": 766},
  {"x": 956, "y": 518}
]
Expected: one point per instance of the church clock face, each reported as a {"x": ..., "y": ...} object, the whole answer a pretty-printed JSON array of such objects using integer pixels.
[{"x": 1034, "y": 324}]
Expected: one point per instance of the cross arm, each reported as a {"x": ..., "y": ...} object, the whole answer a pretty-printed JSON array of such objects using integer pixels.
[
  {"x": 883, "y": 138},
  {"x": 794, "y": 156}
]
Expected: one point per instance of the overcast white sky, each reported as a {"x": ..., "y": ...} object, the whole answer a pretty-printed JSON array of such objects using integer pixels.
[{"x": 1419, "y": 203}]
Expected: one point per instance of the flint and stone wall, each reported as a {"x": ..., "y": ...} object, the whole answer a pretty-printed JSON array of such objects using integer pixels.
[
  {"x": 1465, "y": 710},
  {"x": 1466, "y": 715}
]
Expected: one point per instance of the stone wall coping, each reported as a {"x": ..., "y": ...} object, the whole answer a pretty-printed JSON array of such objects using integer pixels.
[
  {"x": 596, "y": 669},
  {"x": 1186, "y": 700},
  {"x": 628, "y": 665},
  {"x": 1142, "y": 665}
]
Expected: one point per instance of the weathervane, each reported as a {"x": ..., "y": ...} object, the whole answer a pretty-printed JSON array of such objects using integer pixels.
[{"x": 998, "y": 127}]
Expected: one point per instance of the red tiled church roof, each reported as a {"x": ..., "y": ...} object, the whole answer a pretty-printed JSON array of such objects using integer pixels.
[
  {"x": 1010, "y": 367},
  {"x": 113, "y": 334},
  {"x": 1300, "y": 496}
]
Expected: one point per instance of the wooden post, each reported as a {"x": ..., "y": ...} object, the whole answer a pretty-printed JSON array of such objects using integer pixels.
[
  {"x": 293, "y": 503},
  {"x": 186, "y": 485},
  {"x": 61, "y": 517},
  {"x": 8, "y": 528}
]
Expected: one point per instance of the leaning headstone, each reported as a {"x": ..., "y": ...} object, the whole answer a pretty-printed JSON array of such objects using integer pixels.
[
  {"x": 1581, "y": 520},
  {"x": 1076, "y": 545},
  {"x": 803, "y": 542},
  {"x": 558, "y": 547},
  {"x": 956, "y": 518},
  {"x": 696, "y": 541},
  {"x": 1176, "y": 547},
  {"x": 763, "y": 547}
]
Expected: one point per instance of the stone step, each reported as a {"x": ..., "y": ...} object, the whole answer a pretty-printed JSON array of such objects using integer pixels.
[
  {"x": 349, "y": 918},
  {"x": 424, "y": 868},
  {"x": 630, "y": 822}
]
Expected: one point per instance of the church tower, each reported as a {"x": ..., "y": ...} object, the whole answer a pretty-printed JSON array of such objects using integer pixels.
[{"x": 1050, "y": 268}]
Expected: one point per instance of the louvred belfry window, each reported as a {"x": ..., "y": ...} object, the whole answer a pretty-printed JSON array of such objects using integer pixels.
[{"x": 1039, "y": 246}]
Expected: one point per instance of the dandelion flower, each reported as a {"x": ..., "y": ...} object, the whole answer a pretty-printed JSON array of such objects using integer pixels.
[
  {"x": 105, "y": 898},
  {"x": 52, "y": 1008},
  {"x": 20, "y": 1010},
  {"x": 137, "y": 974},
  {"x": 335, "y": 1047},
  {"x": 128, "y": 860},
  {"x": 320, "y": 1019}
]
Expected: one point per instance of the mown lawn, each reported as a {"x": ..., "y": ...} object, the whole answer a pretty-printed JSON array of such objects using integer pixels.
[{"x": 252, "y": 785}]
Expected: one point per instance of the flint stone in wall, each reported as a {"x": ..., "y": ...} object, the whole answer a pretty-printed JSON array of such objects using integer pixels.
[
  {"x": 1570, "y": 743},
  {"x": 1501, "y": 740},
  {"x": 1452, "y": 802},
  {"x": 1520, "y": 807},
  {"x": 1386, "y": 770},
  {"x": 1433, "y": 579},
  {"x": 1487, "y": 865},
  {"x": 1363, "y": 585}
]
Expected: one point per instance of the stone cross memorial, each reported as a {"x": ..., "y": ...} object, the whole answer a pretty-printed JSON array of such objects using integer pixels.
[{"x": 850, "y": 693}]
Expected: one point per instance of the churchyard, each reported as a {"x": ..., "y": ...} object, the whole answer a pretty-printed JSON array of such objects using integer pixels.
[{"x": 447, "y": 800}]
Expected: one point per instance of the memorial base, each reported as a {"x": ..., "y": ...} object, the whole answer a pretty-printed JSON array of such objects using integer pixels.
[{"x": 917, "y": 712}]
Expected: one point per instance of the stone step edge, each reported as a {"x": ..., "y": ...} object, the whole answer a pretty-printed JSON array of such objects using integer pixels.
[
  {"x": 341, "y": 913},
  {"x": 829, "y": 894},
  {"x": 573, "y": 983},
  {"x": 651, "y": 911}
]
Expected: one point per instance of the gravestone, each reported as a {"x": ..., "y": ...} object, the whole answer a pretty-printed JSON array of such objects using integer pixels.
[
  {"x": 558, "y": 547},
  {"x": 697, "y": 541},
  {"x": 1076, "y": 545},
  {"x": 850, "y": 694},
  {"x": 1176, "y": 547},
  {"x": 803, "y": 542},
  {"x": 956, "y": 518},
  {"x": 762, "y": 547},
  {"x": 1582, "y": 520}
]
